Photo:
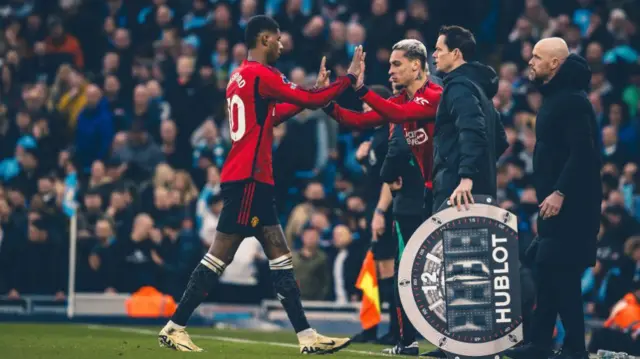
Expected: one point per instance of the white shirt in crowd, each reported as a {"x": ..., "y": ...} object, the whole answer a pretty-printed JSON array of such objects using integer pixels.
[{"x": 243, "y": 269}]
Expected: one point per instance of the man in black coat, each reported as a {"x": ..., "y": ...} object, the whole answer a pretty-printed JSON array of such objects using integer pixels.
[
  {"x": 567, "y": 176},
  {"x": 469, "y": 136}
]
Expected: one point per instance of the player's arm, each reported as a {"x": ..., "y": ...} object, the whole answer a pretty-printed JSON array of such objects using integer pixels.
[
  {"x": 354, "y": 119},
  {"x": 418, "y": 109},
  {"x": 285, "y": 111},
  {"x": 274, "y": 87},
  {"x": 385, "y": 198}
]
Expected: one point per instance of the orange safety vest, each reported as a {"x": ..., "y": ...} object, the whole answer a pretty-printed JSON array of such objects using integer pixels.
[
  {"x": 625, "y": 315},
  {"x": 148, "y": 302}
]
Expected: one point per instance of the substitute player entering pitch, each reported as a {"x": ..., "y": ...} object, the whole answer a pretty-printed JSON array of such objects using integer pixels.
[{"x": 248, "y": 188}]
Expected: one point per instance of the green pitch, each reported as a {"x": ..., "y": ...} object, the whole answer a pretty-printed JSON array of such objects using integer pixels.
[
  {"x": 66, "y": 341},
  {"x": 58, "y": 341}
]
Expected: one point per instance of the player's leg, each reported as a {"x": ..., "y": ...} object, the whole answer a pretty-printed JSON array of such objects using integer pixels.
[
  {"x": 205, "y": 275},
  {"x": 403, "y": 229},
  {"x": 232, "y": 229},
  {"x": 386, "y": 270},
  {"x": 385, "y": 251},
  {"x": 280, "y": 263},
  {"x": 203, "y": 280}
]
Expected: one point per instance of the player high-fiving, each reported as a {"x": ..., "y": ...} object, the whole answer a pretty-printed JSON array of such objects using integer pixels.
[{"x": 258, "y": 97}]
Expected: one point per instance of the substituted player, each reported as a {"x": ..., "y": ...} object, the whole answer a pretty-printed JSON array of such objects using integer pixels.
[
  {"x": 414, "y": 108},
  {"x": 253, "y": 93}
]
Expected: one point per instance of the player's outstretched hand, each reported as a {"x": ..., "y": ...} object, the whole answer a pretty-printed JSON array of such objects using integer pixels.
[
  {"x": 356, "y": 62},
  {"x": 360, "y": 82},
  {"x": 323, "y": 74}
]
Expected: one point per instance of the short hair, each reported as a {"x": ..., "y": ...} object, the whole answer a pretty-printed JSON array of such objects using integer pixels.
[
  {"x": 109, "y": 221},
  {"x": 457, "y": 37},
  {"x": 381, "y": 90},
  {"x": 413, "y": 50},
  {"x": 257, "y": 25},
  {"x": 631, "y": 245}
]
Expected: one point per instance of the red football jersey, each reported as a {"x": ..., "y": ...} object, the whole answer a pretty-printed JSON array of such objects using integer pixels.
[
  {"x": 417, "y": 116},
  {"x": 253, "y": 93}
]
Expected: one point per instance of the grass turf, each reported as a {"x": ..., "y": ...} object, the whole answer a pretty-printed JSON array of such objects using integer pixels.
[
  {"x": 53, "y": 341},
  {"x": 72, "y": 341}
]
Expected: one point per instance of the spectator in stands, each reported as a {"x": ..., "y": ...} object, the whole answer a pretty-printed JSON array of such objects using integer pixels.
[
  {"x": 120, "y": 212},
  {"x": 90, "y": 213},
  {"x": 176, "y": 256},
  {"x": 136, "y": 249},
  {"x": 141, "y": 154},
  {"x": 94, "y": 131},
  {"x": 39, "y": 270},
  {"x": 311, "y": 267},
  {"x": 72, "y": 101},
  {"x": 173, "y": 156},
  {"x": 104, "y": 261},
  {"x": 614, "y": 152},
  {"x": 344, "y": 263},
  {"x": 314, "y": 197},
  {"x": 207, "y": 139},
  {"x": 62, "y": 43}
]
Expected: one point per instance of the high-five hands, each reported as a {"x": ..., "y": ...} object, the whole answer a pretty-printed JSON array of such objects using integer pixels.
[
  {"x": 323, "y": 74},
  {"x": 360, "y": 81},
  {"x": 356, "y": 67}
]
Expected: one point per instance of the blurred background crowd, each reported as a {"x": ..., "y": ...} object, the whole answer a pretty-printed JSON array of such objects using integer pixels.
[{"x": 130, "y": 96}]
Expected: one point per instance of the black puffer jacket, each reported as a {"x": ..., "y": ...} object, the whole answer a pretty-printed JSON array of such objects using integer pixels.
[
  {"x": 567, "y": 159},
  {"x": 469, "y": 136}
]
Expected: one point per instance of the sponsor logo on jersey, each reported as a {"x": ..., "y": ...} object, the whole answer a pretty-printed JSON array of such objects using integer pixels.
[{"x": 416, "y": 137}]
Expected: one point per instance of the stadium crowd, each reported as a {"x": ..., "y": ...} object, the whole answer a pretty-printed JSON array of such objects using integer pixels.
[{"x": 129, "y": 95}]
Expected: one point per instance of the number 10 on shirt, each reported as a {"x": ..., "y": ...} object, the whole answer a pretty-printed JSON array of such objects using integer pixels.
[{"x": 237, "y": 124}]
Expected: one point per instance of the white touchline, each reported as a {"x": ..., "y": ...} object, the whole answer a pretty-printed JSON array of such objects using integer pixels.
[{"x": 221, "y": 339}]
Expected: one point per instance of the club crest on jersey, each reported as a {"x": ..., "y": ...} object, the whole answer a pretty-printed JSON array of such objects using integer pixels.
[
  {"x": 254, "y": 221},
  {"x": 422, "y": 101},
  {"x": 286, "y": 81}
]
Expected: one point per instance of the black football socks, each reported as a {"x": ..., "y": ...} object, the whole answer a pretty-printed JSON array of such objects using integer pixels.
[
  {"x": 202, "y": 281},
  {"x": 288, "y": 292}
]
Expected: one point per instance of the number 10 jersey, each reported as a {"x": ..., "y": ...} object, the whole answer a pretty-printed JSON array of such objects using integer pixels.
[{"x": 255, "y": 96}]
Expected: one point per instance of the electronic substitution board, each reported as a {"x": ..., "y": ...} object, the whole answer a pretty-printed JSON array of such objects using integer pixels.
[{"x": 459, "y": 280}]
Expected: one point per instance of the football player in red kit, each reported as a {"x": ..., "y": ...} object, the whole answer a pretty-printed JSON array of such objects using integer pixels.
[
  {"x": 414, "y": 108},
  {"x": 258, "y": 97}
]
